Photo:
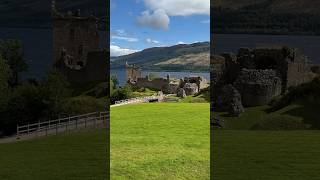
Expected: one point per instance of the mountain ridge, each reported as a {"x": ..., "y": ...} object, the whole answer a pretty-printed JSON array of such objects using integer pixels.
[{"x": 168, "y": 58}]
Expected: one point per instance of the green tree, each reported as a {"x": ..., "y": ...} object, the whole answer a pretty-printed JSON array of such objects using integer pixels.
[
  {"x": 26, "y": 105},
  {"x": 4, "y": 76},
  {"x": 56, "y": 90},
  {"x": 11, "y": 51}
]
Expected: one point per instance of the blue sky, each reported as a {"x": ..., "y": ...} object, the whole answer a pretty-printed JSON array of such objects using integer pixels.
[{"x": 139, "y": 24}]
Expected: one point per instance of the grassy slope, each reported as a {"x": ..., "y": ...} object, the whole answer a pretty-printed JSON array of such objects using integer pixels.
[
  {"x": 76, "y": 156},
  {"x": 160, "y": 141},
  {"x": 306, "y": 111},
  {"x": 276, "y": 155}
]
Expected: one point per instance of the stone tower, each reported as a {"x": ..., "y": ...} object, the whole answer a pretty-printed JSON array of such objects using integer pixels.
[
  {"x": 132, "y": 72},
  {"x": 76, "y": 51},
  {"x": 73, "y": 37}
]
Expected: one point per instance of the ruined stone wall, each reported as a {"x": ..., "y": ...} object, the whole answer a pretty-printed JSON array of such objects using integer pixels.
[
  {"x": 298, "y": 73},
  {"x": 77, "y": 36},
  {"x": 90, "y": 72},
  {"x": 257, "y": 87},
  {"x": 157, "y": 83}
]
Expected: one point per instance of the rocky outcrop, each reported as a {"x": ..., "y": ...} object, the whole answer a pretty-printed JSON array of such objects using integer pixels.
[{"x": 231, "y": 99}]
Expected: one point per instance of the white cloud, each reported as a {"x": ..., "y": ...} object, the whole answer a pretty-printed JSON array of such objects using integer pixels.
[
  {"x": 118, "y": 51},
  {"x": 181, "y": 42},
  {"x": 152, "y": 41},
  {"x": 180, "y": 7},
  {"x": 121, "y": 34},
  {"x": 129, "y": 39},
  {"x": 158, "y": 19},
  {"x": 157, "y": 15}
]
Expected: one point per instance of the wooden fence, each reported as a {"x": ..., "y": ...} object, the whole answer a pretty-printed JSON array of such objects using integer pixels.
[{"x": 90, "y": 120}]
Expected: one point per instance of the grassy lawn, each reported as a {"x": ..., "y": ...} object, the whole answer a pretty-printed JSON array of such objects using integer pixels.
[
  {"x": 265, "y": 155},
  {"x": 73, "y": 156},
  {"x": 239, "y": 153},
  {"x": 160, "y": 141}
]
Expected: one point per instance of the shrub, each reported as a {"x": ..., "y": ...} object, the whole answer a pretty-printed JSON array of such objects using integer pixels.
[
  {"x": 82, "y": 104},
  {"x": 280, "y": 122},
  {"x": 121, "y": 94}
]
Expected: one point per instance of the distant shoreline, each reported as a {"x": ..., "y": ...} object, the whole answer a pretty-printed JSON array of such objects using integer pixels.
[{"x": 165, "y": 70}]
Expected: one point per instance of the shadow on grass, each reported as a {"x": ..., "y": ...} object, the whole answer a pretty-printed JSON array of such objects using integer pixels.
[{"x": 309, "y": 112}]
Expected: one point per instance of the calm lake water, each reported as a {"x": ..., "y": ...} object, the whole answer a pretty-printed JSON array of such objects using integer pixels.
[
  {"x": 37, "y": 47},
  {"x": 121, "y": 74}
]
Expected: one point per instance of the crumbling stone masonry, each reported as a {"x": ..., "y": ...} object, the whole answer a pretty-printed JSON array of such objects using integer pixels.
[
  {"x": 257, "y": 87},
  {"x": 76, "y": 51},
  {"x": 258, "y": 74}
]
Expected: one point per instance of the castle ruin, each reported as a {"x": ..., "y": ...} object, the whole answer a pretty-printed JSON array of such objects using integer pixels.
[
  {"x": 190, "y": 85},
  {"x": 259, "y": 74},
  {"x": 76, "y": 51}
]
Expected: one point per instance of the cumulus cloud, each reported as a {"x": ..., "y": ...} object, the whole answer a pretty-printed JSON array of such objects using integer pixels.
[
  {"x": 152, "y": 41},
  {"x": 159, "y": 11},
  {"x": 157, "y": 19},
  {"x": 180, "y": 7},
  {"x": 118, "y": 51},
  {"x": 181, "y": 42}
]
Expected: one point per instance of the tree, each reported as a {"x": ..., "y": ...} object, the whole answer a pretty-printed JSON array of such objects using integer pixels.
[
  {"x": 115, "y": 82},
  {"x": 4, "y": 87},
  {"x": 11, "y": 51},
  {"x": 56, "y": 90},
  {"x": 26, "y": 105}
]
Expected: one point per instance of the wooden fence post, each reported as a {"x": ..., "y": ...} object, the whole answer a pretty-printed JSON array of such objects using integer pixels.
[
  {"x": 28, "y": 129},
  {"x": 38, "y": 130},
  {"x": 47, "y": 130},
  {"x": 56, "y": 128},
  {"x": 69, "y": 121},
  {"x": 17, "y": 131},
  {"x": 85, "y": 122}
]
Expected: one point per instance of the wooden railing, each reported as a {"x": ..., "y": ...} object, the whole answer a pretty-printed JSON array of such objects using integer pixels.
[{"x": 90, "y": 120}]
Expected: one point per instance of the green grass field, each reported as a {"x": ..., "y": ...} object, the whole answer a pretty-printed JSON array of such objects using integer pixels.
[
  {"x": 265, "y": 155},
  {"x": 73, "y": 156},
  {"x": 160, "y": 141},
  {"x": 240, "y": 153}
]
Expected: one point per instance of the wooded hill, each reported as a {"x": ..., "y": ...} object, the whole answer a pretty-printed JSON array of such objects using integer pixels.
[{"x": 266, "y": 16}]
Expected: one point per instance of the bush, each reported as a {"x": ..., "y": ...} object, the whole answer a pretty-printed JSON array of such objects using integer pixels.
[
  {"x": 27, "y": 104},
  {"x": 121, "y": 94},
  {"x": 280, "y": 122},
  {"x": 82, "y": 104}
]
